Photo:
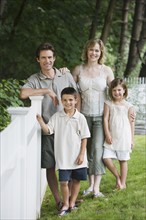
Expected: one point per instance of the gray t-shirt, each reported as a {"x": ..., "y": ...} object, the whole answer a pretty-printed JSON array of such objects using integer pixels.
[{"x": 60, "y": 81}]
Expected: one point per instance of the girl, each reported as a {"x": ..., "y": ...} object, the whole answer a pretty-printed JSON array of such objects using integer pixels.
[{"x": 119, "y": 131}]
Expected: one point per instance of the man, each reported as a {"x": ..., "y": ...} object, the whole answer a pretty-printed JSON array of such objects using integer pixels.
[{"x": 49, "y": 83}]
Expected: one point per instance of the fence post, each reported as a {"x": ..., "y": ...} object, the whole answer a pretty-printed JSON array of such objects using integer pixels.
[
  {"x": 21, "y": 112},
  {"x": 36, "y": 103}
]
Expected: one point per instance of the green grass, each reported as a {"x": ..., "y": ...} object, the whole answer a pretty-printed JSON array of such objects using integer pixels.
[{"x": 129, "y": 204}]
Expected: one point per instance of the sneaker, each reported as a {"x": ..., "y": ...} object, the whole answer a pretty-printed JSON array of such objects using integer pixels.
[
  {"x": 98, "y": 195},
  {"x": 73, "y": 208},
  {"x": 87, "y": 192}
]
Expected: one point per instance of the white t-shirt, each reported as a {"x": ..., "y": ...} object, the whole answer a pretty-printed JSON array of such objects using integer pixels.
[{"x": 68, "y": 133}]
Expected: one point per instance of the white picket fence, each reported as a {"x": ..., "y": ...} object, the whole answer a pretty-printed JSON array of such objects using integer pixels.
[
  {"x": 137, "y": 96},
  {"x": 23, "y": 183}
]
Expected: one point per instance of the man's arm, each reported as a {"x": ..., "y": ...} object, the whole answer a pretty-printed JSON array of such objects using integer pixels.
[{"x": 26, "y": 92}]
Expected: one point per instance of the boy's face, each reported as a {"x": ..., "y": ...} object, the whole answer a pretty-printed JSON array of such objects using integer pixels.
[{"x": 68, "y": 102}]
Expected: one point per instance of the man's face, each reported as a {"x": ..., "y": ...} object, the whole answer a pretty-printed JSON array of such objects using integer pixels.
[{"x": 46, "y": 60}]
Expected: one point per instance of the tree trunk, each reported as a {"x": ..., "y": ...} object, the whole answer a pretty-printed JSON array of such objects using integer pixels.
[
  {"x": 143, "y": 67},
  {"x": 108, "y": 20},
  {"x": 124, "y": 28},
  {"x": 133, "y": 57},
  {"x": 95, "y": 20},
  {"x": 2, "y": 7},
  {"x": 17, "y": 19}
]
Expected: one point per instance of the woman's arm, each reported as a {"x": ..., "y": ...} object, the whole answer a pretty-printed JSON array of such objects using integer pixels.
[
  {"x": 108, "y": 137},
  {"x": 110, "y": 75},
  {"x": 75, "y": 73},
  {"x": 132, "y": 124}
]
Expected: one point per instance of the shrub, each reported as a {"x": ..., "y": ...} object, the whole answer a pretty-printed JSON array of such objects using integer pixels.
[{"x": 9, "y": 96}]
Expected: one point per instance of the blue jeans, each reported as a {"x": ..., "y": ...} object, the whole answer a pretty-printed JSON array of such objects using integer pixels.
[{"x": 95, "y": 145}]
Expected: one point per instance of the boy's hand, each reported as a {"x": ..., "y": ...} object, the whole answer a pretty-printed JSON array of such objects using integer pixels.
[
  {"x": 39, "y": 118},
  {"x": 80, "y": 159}
]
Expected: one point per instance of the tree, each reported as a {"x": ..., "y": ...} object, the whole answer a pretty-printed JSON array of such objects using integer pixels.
[
  {"x": 95, "y": 20},
  {"x": 133, "y": 57},
  {"x": 124, "y": 29},
  {"x": 108, "y": 20}
]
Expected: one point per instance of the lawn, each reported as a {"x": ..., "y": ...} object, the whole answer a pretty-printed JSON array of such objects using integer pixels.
[{"x": 129, "y": 204}]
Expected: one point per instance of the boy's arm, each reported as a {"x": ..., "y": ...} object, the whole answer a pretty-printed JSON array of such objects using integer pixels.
[
  {"x": 108, "y": 137},
  {"x": 44, "y": 126},
  {"x": 80, "y": 157},
  {"x": 132, "y": 124}
]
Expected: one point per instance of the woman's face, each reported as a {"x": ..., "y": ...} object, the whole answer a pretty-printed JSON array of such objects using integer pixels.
[{"x": 94, "y": 53}]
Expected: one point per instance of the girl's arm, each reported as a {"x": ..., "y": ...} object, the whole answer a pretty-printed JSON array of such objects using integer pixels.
[
  {"x": 44, "y": 126},
  {"x": 132, "y": 124},
  {"x": 80, "y": 157},
  {"x": 108, "y": 137}
]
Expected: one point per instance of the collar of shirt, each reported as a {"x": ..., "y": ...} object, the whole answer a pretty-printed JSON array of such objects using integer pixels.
[
  {"x": 75, "y": 116},
  {"x": 57, "y": 74}
]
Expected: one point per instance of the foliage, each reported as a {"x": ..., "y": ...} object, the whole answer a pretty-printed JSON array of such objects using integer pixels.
[
  {"x": 66, "y": 24},
  {"x": 9, "y": 96},
  {"x": 126, "y": 204}
]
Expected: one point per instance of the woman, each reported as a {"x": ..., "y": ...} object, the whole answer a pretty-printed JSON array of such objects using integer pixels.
[{"x": 93, "y": 77}]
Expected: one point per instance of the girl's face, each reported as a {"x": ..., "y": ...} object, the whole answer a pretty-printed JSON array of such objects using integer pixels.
[
  {"x": 94, "y": 53},
  {"x": 118, "y": 93}
]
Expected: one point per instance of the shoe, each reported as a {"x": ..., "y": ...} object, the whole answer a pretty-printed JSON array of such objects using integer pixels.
[
  {"x": 59, "y": 206},
  {"x": 78, "y": 202},
  {"x": 98, "y": 195},
  {"x": 72, "y": 208},
  {"x": 87, "y": 192},
  {"x": 63, "y": 212}
]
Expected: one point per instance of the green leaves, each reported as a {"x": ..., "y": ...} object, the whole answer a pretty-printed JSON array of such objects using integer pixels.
[{"x": 9, "y": 96}]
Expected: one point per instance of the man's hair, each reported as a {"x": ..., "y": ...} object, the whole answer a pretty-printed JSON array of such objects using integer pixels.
[
  {"x": 45, "y": 46},
  {"x": 69, "y": 91}
]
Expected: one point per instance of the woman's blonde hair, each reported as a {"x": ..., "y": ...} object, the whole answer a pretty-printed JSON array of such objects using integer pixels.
[{"x": 91, "y": 43}]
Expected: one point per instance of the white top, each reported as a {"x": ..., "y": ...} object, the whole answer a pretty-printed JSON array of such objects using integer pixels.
[
  {"x": 68, "y": 133},
  {"x": 119, "y": 127},
  {"x": 93, "y": 93}
]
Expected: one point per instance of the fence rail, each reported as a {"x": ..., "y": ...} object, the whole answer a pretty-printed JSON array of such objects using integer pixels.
[
  {"x": 137, "y": 96},
  {"x": 23, "y": 183},
  {"x": 136, "y": 80}
]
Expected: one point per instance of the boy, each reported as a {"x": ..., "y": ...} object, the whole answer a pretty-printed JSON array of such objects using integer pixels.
[{"x": 70, "y": 138}]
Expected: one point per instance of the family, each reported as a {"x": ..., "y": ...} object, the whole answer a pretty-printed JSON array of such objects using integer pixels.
[{"x": 81, "y": 123}]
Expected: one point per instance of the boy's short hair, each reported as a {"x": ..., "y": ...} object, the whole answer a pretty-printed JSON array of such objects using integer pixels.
[
  {"x": 69, "y": 91},
  {"x": 45, "y": 46}
]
